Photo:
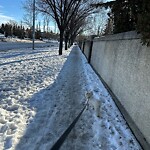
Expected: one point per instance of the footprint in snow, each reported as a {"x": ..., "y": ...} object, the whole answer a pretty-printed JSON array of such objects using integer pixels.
[
  {"x": 2, "y": 120},
  {"x": 8, "y": 142}
]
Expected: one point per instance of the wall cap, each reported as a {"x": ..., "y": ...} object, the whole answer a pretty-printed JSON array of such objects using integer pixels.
[{"x": 120, "y": 36}]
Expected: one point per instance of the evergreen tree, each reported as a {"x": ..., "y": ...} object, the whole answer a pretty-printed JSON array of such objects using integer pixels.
[
  {"x": 122, "y": 16},
  {"x": 130, "y": 15},
  {"x": 38, "y": 34},
  {"x": 143, "y": 21},
  {"x": 12, "y": 30},
  {"x": 7, "y": 30},
  {"x": 2, "y": 29}
]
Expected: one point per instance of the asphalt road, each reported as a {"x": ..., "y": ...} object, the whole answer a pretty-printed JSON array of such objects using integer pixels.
[{"x": 15, "y": 45}]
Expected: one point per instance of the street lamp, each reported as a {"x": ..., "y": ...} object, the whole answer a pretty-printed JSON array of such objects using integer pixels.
[{"x": 33, "y": 30}]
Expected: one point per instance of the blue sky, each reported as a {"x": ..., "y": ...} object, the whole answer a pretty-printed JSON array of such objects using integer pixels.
[{"x": 11, "y": 10}]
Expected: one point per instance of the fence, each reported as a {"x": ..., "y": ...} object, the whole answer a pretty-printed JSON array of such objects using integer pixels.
[{"x": 123, "y": 65}]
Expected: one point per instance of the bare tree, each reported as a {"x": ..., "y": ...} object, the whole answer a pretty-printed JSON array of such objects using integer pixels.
[
  {"x": 75, "y": 26},
  {"x": 96, "y": 22},
  {"x": 44, "y": 24},
  {"x": 28, "y": 16},
  {"x": 62, "y": 11},
  {"x": 27, "y": 19},
  {"x": 47, "y": 19}
]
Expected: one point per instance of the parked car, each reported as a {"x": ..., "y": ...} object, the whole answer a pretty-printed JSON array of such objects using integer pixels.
[{"x": 2, "y": 37}]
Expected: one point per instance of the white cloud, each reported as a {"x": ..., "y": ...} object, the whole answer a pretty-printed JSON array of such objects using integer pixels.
[{"x": 4, "y": 18}]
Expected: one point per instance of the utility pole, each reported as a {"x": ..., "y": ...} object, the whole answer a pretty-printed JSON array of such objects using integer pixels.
[{"x": 33, "y": 28}]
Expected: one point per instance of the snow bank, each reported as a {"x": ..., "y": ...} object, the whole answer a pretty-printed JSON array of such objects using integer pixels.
[
  {"x": 110, "y": 129},
  {"x": 23, "y": 73}
]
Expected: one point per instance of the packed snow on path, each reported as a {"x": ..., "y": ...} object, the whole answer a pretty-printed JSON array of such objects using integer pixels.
[{"x": 28, "y": 108}]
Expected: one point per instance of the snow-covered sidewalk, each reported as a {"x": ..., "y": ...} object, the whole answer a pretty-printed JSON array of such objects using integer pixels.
[{"x": 41, "y": 93}]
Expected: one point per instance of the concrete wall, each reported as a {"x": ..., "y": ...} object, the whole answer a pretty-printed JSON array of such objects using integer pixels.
[
  {"x": 87, "y": 49},
  {"x": 124, "y": 65}
]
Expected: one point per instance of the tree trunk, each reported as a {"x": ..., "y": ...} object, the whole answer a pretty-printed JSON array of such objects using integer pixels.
[
  {"x": 70, "y": 43},
  {"x": 61, "y": 42},
  {"x": 72, "y": 39},
  {"x": 66, "y": 40},
  {"x": 66, "y": 44}
]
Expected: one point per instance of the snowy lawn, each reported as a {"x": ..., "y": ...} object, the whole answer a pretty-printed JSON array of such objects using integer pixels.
[
  {"x": 34, "y": 110},
  {"x": 23, "y": 73}
]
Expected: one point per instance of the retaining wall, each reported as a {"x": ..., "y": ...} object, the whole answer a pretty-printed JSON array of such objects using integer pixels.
[{"x": 124, "y": 65}]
